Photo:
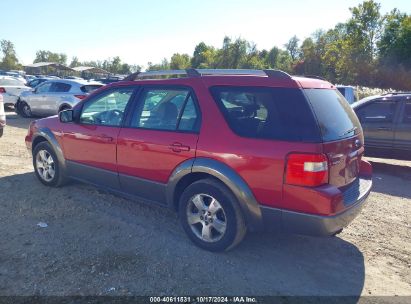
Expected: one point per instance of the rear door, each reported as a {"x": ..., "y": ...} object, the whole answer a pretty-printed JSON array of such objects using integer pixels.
[
  {"x": 161, "y": 134},
  {"x": 36, "y": 100},
  {"x": 402, "y": 139},
  {"x": 378, "y": 121}
]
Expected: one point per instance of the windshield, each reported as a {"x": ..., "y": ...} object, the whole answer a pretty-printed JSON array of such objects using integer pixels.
[{"x": 335, "y": 117}]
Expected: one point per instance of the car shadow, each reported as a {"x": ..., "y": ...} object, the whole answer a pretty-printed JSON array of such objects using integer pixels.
[
  {"x": 144, "y": 248},
  {"x": 400, "y": 175}
]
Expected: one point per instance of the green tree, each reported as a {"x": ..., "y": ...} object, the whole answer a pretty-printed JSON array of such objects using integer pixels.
[
  {"x": 74, "y": 62},
  {"x": 395, "y": 44},
  {"x": 204, "y": 56},
  {"x": 47, "y": 56},
  {"x": 180, "y": 61},
  {"x": 9, "y": 60},
  {"x": 292, "y": 47}
]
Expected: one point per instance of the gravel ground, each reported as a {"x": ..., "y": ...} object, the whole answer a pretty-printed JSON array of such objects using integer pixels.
[{"x": 99, "y": 244}]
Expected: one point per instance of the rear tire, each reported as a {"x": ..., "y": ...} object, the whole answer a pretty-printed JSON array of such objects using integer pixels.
[
  {"x": 210, "y": 216},
  {"x": 46, "y": 165},
  {"x": 24, "y": 109}
]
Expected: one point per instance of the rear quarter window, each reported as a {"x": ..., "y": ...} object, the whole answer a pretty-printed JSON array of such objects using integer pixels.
[{"x": 267, "y": 113}]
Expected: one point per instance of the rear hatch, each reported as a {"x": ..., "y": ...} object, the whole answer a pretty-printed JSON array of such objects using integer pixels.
[{"x": 341, "y": 132}]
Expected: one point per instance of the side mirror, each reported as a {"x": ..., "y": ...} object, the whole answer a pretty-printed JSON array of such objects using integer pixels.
[{"x": 66, "y": 116}]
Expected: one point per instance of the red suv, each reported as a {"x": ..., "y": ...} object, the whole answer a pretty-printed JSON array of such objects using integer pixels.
[{"x": 229, "y": 150}]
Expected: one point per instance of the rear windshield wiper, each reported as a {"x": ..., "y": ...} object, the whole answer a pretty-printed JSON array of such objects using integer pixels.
[{"x": 349, "y": 131}]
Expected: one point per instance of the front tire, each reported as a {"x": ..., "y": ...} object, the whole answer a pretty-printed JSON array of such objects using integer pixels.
[
  {"x": 211, "y": 216},
  {"x": 24, "y": 109},
  {"x": 46, "y": 165}
]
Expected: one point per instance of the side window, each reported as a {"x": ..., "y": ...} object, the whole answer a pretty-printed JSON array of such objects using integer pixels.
[
  {"x": 107, "y": 109},
  {"x": 268, "y": 113},
  {"x": 60, "y": 87},
  {"x": 44, "y": 88},
  {"x": 407, "y": 113},
  {"x": 377, "y": 112},
  {"x": 189, "y": 118},
  {"x": 166, "y": 109}
]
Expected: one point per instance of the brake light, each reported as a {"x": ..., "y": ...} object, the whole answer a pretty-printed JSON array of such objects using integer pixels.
[
  {"x": 80, "y": 96},
  {"x": 2, "y": 90},
  {"x": 306, "y": 169}
]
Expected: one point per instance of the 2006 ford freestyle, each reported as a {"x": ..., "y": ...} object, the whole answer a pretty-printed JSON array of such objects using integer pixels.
[{"x": 229, "y": 150}]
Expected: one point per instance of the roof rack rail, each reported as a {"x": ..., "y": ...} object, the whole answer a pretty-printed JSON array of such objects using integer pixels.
[
  {"x": 314, "y": 77},
  {"x": 202, "y": 72},
  {"x": 395, "y": 93}
]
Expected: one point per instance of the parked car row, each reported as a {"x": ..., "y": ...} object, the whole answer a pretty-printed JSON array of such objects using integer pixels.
[
  {"x": 229, "y": 150},
  {"x": 11, "y": 88},
  {"x": 53, "y": 96}
]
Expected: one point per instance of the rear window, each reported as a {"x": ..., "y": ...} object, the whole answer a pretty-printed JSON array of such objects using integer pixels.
[
  {"x": 90, "y": 88},
  {"x": 267, "y": 113},
  {"x": 335, "y": 117}
]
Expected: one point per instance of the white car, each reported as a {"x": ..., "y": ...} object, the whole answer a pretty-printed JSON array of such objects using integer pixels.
[
  {"x": 53, "y": 96},
  {"x": 11, "y": 88},
  {"x": 2, "y": 116}
]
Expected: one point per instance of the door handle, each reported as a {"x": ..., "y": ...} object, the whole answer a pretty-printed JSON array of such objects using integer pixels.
[
  {"x": 178, "y": 147},
  {"x": 383, "y": 129},
  {"x": 106, "y": 138}
]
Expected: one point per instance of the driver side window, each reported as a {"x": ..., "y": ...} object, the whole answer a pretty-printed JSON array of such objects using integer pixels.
[
  {"x": 107, "y": 109},
  {"x": 44, "y": 88}
]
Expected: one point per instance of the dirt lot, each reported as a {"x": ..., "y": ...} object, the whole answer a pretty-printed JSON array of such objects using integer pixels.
[{"x": 98, "y": 244}]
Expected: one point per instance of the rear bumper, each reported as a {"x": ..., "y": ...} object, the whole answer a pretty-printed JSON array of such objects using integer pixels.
[
  {"x": 303, "y": 223},
  {"x": 9, "y": 99}
]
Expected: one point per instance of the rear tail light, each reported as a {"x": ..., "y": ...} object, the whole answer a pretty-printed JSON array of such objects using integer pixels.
[
  {"x": 306, "y": 169},
  {"x": 80, "y": 96},
  {"x": 2, "y": 90}
]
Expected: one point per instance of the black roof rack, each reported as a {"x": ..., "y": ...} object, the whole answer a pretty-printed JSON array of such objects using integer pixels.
[{"x": 202, "y": 72}]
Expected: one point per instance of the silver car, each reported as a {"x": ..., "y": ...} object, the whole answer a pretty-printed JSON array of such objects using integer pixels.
[
  {"x": 11, "y": 88},
  {"x": 53, "y": 96}
]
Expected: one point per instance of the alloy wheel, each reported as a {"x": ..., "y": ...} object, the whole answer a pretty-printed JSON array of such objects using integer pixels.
[
  {"x": 206, "y": 218},
  {"x": 45, "y": 165}
]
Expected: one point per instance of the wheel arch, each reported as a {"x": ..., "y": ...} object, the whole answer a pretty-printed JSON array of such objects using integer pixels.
[
  {"x": 46, "y": 135},
  {"x": 200, "y": 168}
]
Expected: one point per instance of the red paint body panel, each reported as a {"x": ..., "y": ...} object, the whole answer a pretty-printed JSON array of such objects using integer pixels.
[
  {"x": 91, "y": 145},
  {"x": 148, "y": 154}
]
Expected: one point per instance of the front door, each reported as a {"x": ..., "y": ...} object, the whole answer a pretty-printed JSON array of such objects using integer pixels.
[
  {"x": 37, "y": 98},
  {"x": 161, "y": 134},
  {"x": 378, "y": 121},
  {"x": 90, "y": 144}
]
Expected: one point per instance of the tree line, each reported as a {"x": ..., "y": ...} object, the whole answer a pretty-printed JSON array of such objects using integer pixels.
[{"x": 369, "y": 49}]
